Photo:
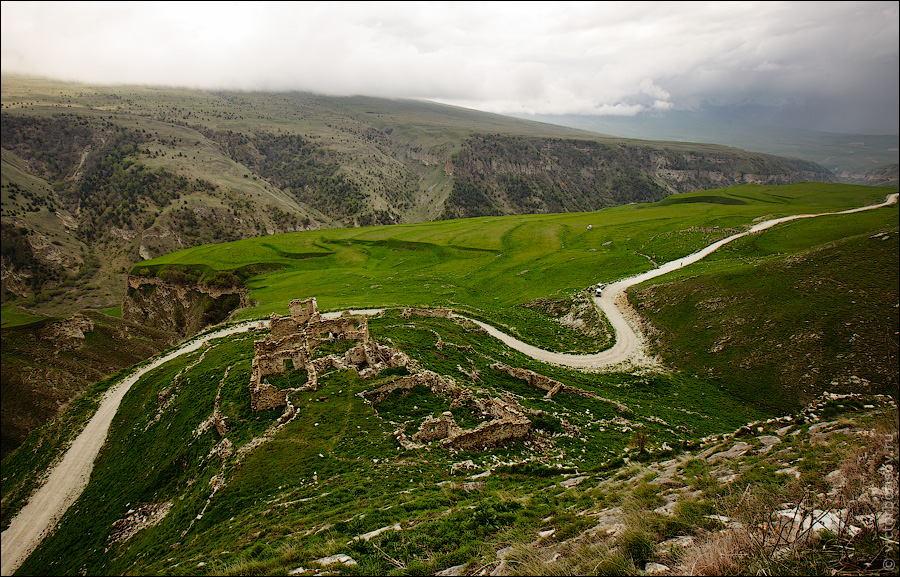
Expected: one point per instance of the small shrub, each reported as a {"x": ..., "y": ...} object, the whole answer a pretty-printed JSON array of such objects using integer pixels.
[
  {"x": 647, "y": 496},
  {"x": 637, "y": 546},
  {"x": 639, "y": 440},
  {"x": 547, "y": 423}
]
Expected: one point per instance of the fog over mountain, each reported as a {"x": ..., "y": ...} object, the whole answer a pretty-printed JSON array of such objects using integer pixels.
[{"x": 830, "y": 67}]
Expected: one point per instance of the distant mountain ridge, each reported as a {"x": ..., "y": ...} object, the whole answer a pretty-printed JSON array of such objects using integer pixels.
[
  {"x": 854, "y": 158},
  {"x": 98, "y": 178}
]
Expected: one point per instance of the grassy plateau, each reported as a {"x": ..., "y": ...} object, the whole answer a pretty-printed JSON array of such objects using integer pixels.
[
  {"x": 490, "y": 267},
  {"x": 604, "y": 482}
]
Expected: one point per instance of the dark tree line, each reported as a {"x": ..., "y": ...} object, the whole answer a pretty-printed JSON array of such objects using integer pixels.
[{"x": 297, "y": 166}]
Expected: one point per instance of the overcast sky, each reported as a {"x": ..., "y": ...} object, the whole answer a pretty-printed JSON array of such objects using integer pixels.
[{"x": 834, "y": 65}]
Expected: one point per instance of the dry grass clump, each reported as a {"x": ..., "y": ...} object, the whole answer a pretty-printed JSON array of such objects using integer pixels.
[
  {"x": 573, "y": 559},
  {"x": 717, "y": 555}
]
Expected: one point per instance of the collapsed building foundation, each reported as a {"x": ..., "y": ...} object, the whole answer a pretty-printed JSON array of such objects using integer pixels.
[
  {"x": 507, "y": 421},
  {"x": 290, "y": 345}
]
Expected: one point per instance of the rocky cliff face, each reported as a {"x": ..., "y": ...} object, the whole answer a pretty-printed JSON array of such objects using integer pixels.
[
  {"x": 183, "y": 309},
  {"x": 496, "y": 174},
  {"x": 888, "y": 175}
]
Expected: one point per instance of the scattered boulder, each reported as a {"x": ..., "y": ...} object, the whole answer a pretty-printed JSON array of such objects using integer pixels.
[
  {"x": 340, "y": 558},
  {"x": 655, "y": 569}
]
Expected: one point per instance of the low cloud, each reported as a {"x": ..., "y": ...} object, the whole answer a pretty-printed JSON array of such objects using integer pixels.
[{"x": 545, "y": 58}]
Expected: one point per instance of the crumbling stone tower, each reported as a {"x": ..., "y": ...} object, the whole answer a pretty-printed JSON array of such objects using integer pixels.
[{"x": 292, "y": 339}]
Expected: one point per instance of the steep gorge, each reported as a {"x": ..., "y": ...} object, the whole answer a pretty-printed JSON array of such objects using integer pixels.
[{"x": 184, "y": 309}]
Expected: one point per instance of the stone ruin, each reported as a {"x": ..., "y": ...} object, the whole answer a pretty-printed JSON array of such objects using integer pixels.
[
  {"x": 532, "y": 378},
  {"x": 292, "y": 339},
  {"x": 553, "y": 387},
  {"x": 431, "y": 313},
  {"x": 508, "y": 422}
]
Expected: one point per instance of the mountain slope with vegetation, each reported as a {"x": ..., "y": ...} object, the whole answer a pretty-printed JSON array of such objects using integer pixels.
[
  {"x": 525, "y": 275},
  {"x": 98, "y": 178},
  {"x": 650, "y": 469},
  {"x": 693, "y": 468},
  {"x": 49, "y": 361}
]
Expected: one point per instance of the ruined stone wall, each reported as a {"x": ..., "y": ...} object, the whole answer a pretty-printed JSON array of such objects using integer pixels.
[
  {"x": 282, "y": 327},
  {"x": 432, "y": 380},
  {"x": 507, "y": 421},
  {"x": 553, "y": 387},
  {"x": 271, "y": 357},
  {"x": 532, "y": 378},
  {"x": 292, "y": 339},
  {"x": 490, "y": 434},
  {"x": 370, "y": 358},
  {"x": 265, "y": 396},
  {"x": 619, "y": 407},
  {"x": 433, "y": 429},
  {"x": 304, "y": 311},
  {"x": 498, "y": 409},
  {"x": 432, "y": 313},
  {"x": 354, "y": 327},
  {"x": 323, "y": 364}
]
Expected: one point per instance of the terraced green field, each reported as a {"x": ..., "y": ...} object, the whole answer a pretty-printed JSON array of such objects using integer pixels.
[
  {"x": 271, "y": 497},
  {"x": 490, "y": 267}
]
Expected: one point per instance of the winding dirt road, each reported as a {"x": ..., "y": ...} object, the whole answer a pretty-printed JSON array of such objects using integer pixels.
[
  {"x": 67, "y": 480},
  {"x": 629, "y": 350}
]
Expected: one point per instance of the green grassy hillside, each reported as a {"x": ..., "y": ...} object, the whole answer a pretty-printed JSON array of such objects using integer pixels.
[
  {"x": 489, "y": 267},
  {"x": 98, "y": 178},
  {"x": 171, "y": 494},
  {"x": 337, "y": 471},
  {"x": 778, "y": 317}
]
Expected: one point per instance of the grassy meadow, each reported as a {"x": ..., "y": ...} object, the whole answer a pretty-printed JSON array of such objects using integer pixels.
[
  {"x": 270, "y": 499},
  {"x": 489, "y": 267}
]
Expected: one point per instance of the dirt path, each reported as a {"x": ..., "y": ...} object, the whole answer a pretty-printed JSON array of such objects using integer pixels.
[
  {"x": 629, "y": 351},
  {"x": 67, "y": 480}
]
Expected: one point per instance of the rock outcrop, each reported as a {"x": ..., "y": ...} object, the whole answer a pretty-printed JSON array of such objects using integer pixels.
[
  {"x": 183, "y": 309},
  {"x": 67, "y": 334}
]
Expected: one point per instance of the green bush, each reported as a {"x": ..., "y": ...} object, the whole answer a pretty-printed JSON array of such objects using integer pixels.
[{"x": 637, "y": 546}]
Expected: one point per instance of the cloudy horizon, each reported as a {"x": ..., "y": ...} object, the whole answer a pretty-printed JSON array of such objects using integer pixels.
[{"x": 829, "y": 66}]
